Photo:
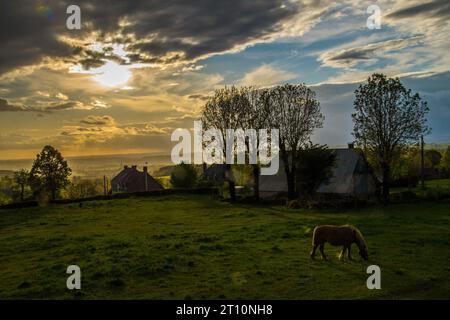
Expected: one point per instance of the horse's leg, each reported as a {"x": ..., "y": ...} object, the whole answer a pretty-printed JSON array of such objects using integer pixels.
[
  {"x": 348, "y": 250},
  {"x": 342, "y": 255},
  {"x": 324, "y": 257},
  {"x": 313, "y": 251}
]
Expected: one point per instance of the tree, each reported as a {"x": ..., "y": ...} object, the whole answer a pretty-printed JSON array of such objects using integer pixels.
[
  {"x": 226, "y": 110},
  {"x": 446, "y": 159},
  {"x": 434, "y": 157},
  {"x": 184, "y": 176},
  {"x": 22, "y": 178},
  {"x": 314, "y": 167},
  {"x": 295, "y": 112},
  {"x": 256, "y": 116},
  {"x": 50, "y": 171},
  {"x": 387, "y": 117}
]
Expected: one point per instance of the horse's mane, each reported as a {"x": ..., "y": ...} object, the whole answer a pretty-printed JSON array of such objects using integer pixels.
[{"x": 359, "y": 238}]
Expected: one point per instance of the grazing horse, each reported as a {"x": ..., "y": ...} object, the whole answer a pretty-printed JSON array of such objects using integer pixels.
[{"x": 343, "y": 236}]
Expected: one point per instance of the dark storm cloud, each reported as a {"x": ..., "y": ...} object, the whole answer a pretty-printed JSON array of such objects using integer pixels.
[
  {"x": 6, "y": 106},
  {"x": 437, "y": 9},
  {"x": 27, "y": 36},
  {"x": 162, "y": 31},
  {"x": 55, "y": 106},
  {"x": 351, "y": 56}
]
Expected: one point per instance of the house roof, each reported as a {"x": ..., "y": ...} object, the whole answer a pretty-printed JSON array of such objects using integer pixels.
[
  {"x": 347, "y": 162},
  {"x": 133, "y": 177},
  {"x": 341, "y": 180}
]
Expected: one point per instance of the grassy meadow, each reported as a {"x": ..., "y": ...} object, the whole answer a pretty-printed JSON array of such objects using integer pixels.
[{"x": 195, "y": 247}]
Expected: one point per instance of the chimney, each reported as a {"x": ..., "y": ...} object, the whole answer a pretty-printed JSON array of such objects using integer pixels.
[
  {"x": 125, "y": 167},
  {"x": 351, "y": 145}
]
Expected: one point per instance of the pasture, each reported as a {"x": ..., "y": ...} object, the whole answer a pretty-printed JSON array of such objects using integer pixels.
[{"x": 196, "y": 247}]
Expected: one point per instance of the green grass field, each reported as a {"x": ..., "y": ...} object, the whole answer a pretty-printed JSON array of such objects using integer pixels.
[{"x": 193, "y": 247}]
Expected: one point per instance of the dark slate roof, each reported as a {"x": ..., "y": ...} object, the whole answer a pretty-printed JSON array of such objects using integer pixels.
[
  {"x": 342, "y": 178},
  {"x": 135, "y": 180},
  {"x": 348, "y": 161}
]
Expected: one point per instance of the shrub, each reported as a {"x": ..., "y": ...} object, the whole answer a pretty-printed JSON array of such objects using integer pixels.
[{"x": 184, "y": 176}]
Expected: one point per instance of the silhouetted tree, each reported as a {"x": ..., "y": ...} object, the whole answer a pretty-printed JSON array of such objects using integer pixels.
[
  {"x": 50, "y": 171},
  {"x": 226, "y": 110},
  {"x": 315, "y": 166},
  {"x": 22, "y": 178},
  {"x": 387, "y": 117},
  {"x": 184, "y": 176},
  {"x": 295, "y": 111}
]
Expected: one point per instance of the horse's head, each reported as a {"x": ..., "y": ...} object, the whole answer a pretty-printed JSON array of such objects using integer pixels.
[
  {"x": 359, "y": 239},
  {"x": 363, "y": 252}
]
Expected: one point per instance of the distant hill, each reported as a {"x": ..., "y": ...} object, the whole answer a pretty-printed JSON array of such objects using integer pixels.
[
  {"x": 164, "y": 171},
  {"x": 96, "y": 166},
  {"x": 6, "y": 173}
]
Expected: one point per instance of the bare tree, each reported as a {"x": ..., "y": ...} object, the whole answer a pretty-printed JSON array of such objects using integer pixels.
[
  {"x": 387, "y": 117},
  {"x": 295, "y": 111},
  {"x": 226, "y": 109},
  {"x": 256, "y": 116}
]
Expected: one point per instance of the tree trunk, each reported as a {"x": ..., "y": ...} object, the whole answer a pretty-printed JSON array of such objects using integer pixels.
[
  {"x": 291, "y": 186},
  {"x": 386, "y": 183},
  {"x": 22, "y": 187},
  {"x": 256, "y": 181},
  {"x": 53, "y": 194},
  {"x": 231, "y": 184}
]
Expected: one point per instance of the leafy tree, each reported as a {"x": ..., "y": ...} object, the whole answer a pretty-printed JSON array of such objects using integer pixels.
[
  {"x": 184, "y": 176},
  {"x": 387, "y": 118},
  {"x": 315, "y": 166},
  {"x": 22, "y": 178},
  {"x": 446, "y": 159},
  {"x": 6, "y": 190},
  {"x": 434, "y": 157},
  {"x": 295, "y": 111},
  {"x": 50, "y": 171},
  {"x": 84, "y": 188}
]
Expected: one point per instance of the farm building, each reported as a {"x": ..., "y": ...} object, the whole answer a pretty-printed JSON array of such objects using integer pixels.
[
  {"x": 351, "y": 176},
  {"x": 130, "y": 179},
  {"x": 214, "y": 173}
]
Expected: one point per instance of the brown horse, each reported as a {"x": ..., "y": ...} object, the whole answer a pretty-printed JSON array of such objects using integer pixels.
[{"x": 343, "y": 236}]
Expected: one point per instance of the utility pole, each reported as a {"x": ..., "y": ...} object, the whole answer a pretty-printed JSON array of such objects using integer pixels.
[{"x": 422, "y": 174}]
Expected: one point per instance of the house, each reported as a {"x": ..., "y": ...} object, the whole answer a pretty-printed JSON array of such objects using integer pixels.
[
  {"x": 130, "y": 179},
  {"x": 214, "y": 173},
  {"x": 351, "y": 176}
]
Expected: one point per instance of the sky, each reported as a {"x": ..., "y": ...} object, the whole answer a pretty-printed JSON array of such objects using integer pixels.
[{"x": 138, "y": 70}]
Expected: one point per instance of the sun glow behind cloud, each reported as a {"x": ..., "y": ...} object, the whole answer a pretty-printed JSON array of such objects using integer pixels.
[{"x": 112, "y": 74}]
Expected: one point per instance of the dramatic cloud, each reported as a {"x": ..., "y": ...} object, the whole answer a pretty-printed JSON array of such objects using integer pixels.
[
  {"x": 50, "y": 107},
  {"x": 139, "y": 69},
  {"x": 438, "y": 10},
  {"x": 6, "y": 106},
  {"x": 98, "y": 120},
  {"x": 154, "y": 32},
  {"x": 266, "y": 75},
  {"x": 352, "y": 56}
]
